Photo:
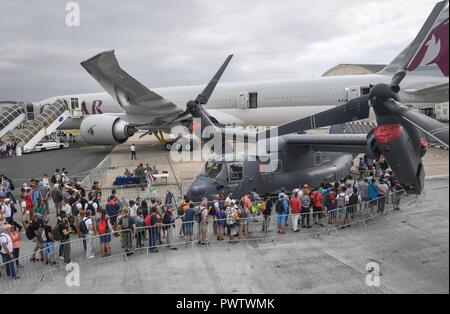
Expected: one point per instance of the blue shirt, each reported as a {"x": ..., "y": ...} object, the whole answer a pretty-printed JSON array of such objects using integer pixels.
[
  {"x": 373, "y": 192},
  {"x": 189, "y": 214},
  {"x": 112, "y": 210}
]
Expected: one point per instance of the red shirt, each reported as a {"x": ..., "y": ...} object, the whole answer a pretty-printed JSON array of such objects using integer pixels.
[
  {"x": 295, "y": 205},
  {"x": 317, "y": 197},
  {"x": 247, "y": 202}
]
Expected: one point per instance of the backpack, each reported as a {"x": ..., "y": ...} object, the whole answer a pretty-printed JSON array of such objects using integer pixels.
[
  {"x": 102, "y": 226},
  {"x": 340, "y": 201},
  {"x": 90, "y": 206},
  {"x": 53, "y": 179},
  {"x": 212, "y": 209},
  {"x": 167, "y": 219},
  {"x": 75, "y": 210},
  {"x": 139, "y": 222},
  {"x": 353, "y": 199},
  {"x": 199, "y": 215},
  {"x": 83, "y": 227},
  {"x": 11, "y": 185},
  {"x": 56, "y": 232},
  {"x": 30, "y": 233},
  {"x": 279, "y": 207}
]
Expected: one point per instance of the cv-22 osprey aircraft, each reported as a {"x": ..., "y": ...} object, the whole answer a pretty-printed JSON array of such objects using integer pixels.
[{"x": 318, "y": 158}]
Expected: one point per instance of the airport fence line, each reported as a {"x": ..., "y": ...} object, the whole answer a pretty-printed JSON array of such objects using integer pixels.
[{"x": 179, "y": 234}]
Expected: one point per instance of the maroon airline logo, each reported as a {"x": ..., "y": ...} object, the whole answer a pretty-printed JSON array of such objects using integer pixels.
[
  {"x": 434, "y": 49},
  {"x": 95, "y": 108},
  {"x": 91, "y": 130}
]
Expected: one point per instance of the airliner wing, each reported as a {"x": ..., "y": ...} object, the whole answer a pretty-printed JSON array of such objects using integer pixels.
[
  {"x": 130, "y": 94},
  {"x": 438, "y": 88}
]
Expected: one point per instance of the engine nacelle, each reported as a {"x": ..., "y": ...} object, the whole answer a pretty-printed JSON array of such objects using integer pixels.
[
  {"x": 396, "y": 145},
  {"x": 105, "y": 129}
]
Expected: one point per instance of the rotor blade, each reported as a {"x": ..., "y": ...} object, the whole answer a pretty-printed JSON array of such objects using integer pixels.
[
  {"x": 355, "y": 109},
  {"x": 206, "y": 121},
  {"x": 398, "y": 77},
  {"x": 203, "y": 97},
  {"x": 434, "y": 129}
]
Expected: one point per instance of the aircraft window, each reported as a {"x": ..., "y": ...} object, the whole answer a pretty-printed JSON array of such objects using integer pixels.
[
  {"x": 236, "y": 172},
  {"x": 74, "y": 103},
  {"x": 212, "y": 169},
  {"x": 365, "y": 90}
]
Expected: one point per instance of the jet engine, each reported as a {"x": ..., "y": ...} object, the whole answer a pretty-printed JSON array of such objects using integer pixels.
[{"x": 105, "y": 129}]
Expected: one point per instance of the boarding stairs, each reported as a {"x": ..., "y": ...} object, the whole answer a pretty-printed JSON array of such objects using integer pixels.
[
  {"x": 11, "y": 118},
  {"x": 46, "y": 124}
]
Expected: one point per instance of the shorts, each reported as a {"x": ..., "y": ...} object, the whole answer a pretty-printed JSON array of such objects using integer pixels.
[
  {"x": 281, "y": 219},
  {"x": 106, "y": 238},
  {"x": 342, "y": 212},
  {"x": 48, "y": 248},
  {"x": 373, "y": 202},
  {"x": 188, "y": 228},
  {"x": 317, "y": 211}
]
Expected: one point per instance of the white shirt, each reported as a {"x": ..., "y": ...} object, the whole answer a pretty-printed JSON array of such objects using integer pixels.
[
  {"x": 88, "y": 223},
  {"x": 383, "y": 188},
  {"x": 6, "y": 209},
  {"x": 45, "y": 183},
  {"x": 67, "y": 209},
  {"x": 133, "y": 148},
  {"x": 133, "y": 211},
  {"x": 6, "y": 238}
]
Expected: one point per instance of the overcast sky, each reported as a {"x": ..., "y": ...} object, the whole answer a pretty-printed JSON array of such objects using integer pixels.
[{"x": 183, "y": 42}]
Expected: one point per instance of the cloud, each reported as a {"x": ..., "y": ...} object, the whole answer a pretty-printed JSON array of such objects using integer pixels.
[{"x": 169, "y": 43}]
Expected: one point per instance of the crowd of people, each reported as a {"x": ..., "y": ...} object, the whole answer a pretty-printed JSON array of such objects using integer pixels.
[
  {"x": 83, "y": 213},
  {"x": 7, "y": 148}
]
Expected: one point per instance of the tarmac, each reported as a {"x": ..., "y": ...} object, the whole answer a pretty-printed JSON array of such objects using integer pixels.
[{"x": 78, "y": 158}]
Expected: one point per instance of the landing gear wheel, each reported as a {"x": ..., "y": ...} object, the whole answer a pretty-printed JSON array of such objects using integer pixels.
[
  {"x": 188, "y": 147},
  {"x": 168, "y": 146}
]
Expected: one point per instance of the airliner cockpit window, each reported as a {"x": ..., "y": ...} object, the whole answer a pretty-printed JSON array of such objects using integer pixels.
[{"x": 212, "y": 169}]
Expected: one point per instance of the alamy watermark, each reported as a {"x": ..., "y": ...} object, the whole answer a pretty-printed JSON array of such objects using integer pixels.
[
  {"x": 232, "y": 144},
  {"x": 73, "y": 275},
  {"x": 73, "y": 14},
  {"x": 373, "y": 274}
]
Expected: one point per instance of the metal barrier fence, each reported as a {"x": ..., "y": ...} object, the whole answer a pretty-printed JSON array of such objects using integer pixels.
[
  {"x": 186, "y": 234},
  {"x": 97, "y": 173},
  {"x": 143, "y": 192}
]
